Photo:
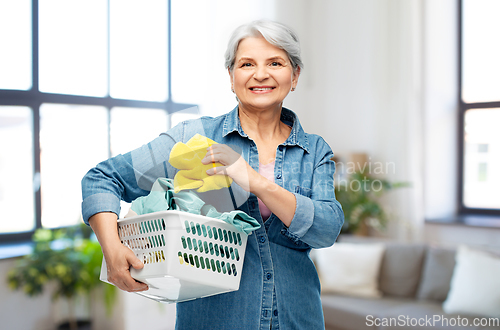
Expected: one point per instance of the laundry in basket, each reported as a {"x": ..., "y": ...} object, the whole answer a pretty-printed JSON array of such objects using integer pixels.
[
  {"x": 186, "y": 256},
  {"x": 163, "y": 197}
]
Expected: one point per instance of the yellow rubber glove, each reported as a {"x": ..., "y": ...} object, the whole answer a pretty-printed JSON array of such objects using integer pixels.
[{"x": 192, "y": 175}]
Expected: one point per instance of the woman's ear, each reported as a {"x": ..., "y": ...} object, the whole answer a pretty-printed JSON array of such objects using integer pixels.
[
  {"x": 231, "y": 79},
  {"x": 295, "y": 77}
]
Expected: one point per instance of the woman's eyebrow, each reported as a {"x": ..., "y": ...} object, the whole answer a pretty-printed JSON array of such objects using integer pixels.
[
  {"x": 276, "y": 58},
  {"x": 245, "y": 59}
]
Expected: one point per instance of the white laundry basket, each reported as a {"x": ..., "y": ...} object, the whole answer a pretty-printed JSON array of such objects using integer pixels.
[{"x": 186, "y": 256}]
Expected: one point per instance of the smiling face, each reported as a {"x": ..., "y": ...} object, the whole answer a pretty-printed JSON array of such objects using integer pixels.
[{"x": 262, "y": 75}]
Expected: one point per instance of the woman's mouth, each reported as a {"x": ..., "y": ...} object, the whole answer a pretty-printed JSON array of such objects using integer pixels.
[{"x": 263, "y": 89}]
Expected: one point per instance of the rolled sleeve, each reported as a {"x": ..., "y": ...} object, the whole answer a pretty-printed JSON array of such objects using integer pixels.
[
  {"x": 318, "y": 215},
  {"x": 302, "y": 219},
  {"x": 101, "y": 202}
]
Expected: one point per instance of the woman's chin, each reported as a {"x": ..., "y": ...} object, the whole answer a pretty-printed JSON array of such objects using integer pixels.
[{"x": 262, "y": 106}]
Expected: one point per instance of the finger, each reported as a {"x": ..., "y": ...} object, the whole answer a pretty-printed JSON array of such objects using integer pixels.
[
  {"x": 133, "y": 285},
  {"x": 209, "y": 158},
  {"x": 136, "y": 263},
  {"x": 213, "y": 156},
  {"x": 124, "y": 281},
  {"x": 121, "y": 276},
  {"x": 221, "y": 170},
  {"x": 216, "y": 146},
  {"x": 132, "y": 260},
  {"x": 219, "y": 148},
  {"x": 222, "y": 153},
  {"x": 129, "y": 283}
]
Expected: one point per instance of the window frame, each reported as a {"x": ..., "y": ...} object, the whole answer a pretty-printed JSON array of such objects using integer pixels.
[
  {"x": 34, "y": 98},
  {"x": 463, "y": 108}
]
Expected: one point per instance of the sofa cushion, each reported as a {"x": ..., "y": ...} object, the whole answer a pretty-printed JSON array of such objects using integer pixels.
[
  {"x": 475, "y": 286},
  {"x": 436, "y": 274},
  {"x": 350, "y": 268},
  {"x": 401, "y": 269},
  {"x": 348, "y": 312}
]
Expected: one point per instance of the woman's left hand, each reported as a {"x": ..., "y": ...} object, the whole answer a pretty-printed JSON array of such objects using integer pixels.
[{"x": 235, "y": 165}]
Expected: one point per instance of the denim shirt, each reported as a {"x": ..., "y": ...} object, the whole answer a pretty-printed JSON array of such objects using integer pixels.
[{"x": 279, "y": 286}]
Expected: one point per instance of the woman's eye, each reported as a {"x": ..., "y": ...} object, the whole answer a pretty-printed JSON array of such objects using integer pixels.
[
  {"x": 246, "y": 65},
  {"x": 276, "y": 64}
]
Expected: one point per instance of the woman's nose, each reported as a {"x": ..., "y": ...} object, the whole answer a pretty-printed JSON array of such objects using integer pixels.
[{"x": 261, "y": 73}]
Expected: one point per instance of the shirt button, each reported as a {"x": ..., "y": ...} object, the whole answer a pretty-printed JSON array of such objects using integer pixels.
[
  {"x": 275, "y": 312},
  {"x": 278, "y": 176},
  {"x": 262, "y": 239},
  {"x": 269, "y": 275},
  {"x": 280, "y": 148}
]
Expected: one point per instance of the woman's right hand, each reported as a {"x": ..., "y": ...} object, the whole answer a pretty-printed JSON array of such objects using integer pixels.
[{"x": 119, "y": 258}]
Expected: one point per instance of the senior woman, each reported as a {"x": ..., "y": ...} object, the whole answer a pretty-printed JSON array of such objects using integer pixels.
[{"x": 287, "y": 174}]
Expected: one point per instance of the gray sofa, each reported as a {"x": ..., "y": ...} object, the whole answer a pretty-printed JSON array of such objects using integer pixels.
[{"x": 414, "y": 280}]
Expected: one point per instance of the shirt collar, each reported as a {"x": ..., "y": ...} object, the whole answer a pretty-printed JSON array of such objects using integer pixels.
[{"x": 297, "y": 135}]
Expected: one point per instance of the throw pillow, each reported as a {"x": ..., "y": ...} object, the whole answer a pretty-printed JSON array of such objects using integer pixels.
[
  {"x": 350, "y": 268},
  {"x": 475, "y": 285},
  {"x": 401, "y": 268},
  {"x": 436, "y": 275}
]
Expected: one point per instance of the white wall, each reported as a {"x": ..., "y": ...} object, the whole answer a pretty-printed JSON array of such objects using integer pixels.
[
  {"x": 361, "y": 88},
  {"x": 380, "y": 77},
  {"x": 335, "y": 97}
]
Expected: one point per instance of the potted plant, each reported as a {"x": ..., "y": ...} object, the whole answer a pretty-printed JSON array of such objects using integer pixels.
[
  {"x": 71, "y": 260},
  {"x": 360, "y": 196}
]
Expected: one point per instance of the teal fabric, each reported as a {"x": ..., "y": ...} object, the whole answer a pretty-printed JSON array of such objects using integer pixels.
[{"x": 163, "y": 198}]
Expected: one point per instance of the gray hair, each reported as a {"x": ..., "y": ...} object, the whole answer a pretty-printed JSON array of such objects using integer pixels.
[{"x": 275, "y": 33}]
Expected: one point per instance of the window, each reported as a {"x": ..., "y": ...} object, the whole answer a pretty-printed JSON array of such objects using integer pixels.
[
  {"x": 479, "y": 89},
  {"x": 80, "y": 81},
  {"x": 84, "y": 80}
]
